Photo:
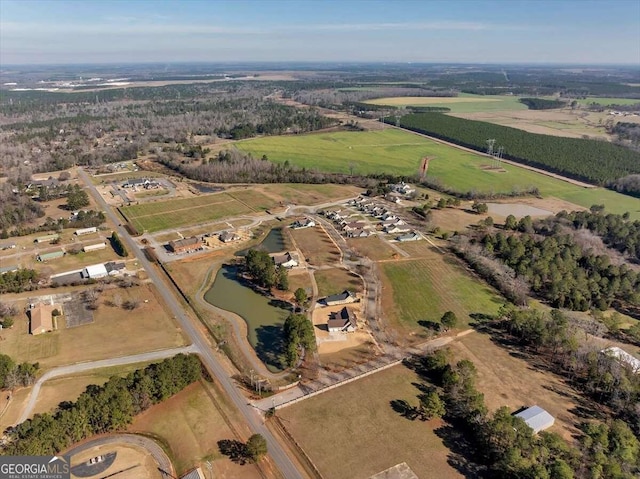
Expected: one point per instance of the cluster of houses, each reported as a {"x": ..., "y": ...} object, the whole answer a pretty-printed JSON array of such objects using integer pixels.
[
  {"x": 343, "y": 321},
  {"x": 145, "y": 183},
  {"x": 195, "y": 243},
  {"x": 350, "y": 229}
]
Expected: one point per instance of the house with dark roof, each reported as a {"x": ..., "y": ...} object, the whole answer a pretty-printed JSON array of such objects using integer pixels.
[
  {"x": 409, "y": 237},
  {"x": 306, "y": 223},
  {"x": 345, "y": 297},
  {"x": 343, "y": 321},
  {"x": 114, "y": 268},
  {"x": 287, "y": 260}
]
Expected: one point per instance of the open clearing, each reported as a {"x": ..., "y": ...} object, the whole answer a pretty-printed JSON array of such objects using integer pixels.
[
  {"x": 316, "y": 246},
  {"x": 399, "y": 152},
  {"x": 507, "y": 380},
  {"x": 336, "y": 280},
  {"x": 114, "y": 332},
  {"x": 462, "y": 103},
  {"x": 417, "y": 292},
  {"x": 303, "y": 194},
  {"x": 190, "y": 425},
  {"x": 353, "y": 432},
  {"x": 160, "y": 215},
  {"x": 373, "y": 247},
  {"x": 609, "y": 101}
]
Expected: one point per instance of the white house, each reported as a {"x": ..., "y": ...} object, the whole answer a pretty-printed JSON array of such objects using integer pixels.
[
  {"x": 409, "y": 237},
  {"x": 287, "y": 260},
  {"x": 396, "y": 229},
  {"x": 343, "y": 321},
  {"x": 306, "y": 223}
]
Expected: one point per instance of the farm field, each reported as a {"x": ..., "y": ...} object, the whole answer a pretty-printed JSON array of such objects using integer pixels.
[
  {"x": 399, "y": 152},
  {"x": 156, "y": 216},
  {"x": 114, "y": 332},
  {"x": 336, "y": 280},
  {"x": 608, "y": 101},
  {"x": 373, "y": 247},
  {"x": 315, "y": 245},
  {"x": 190, "y": 425},
  {"x": 507, "y": 380},
  {"x": 303, "y": 194},
  {"x": 365, "y": 436},
  {"x": 420, "y": 291},
  {"x": 253, "y": 199},
  {"x": 464, "y": 102}
]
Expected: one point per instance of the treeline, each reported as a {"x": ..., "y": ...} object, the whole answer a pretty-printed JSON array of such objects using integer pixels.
[
  {"x": 118, "y": 246},
  {"x": 588, "y": 160},
  {"x": 102, "y": 409},
  {"x": 517, "y": 192},
  {"x": 13, "y": 375},
  {"x": 615, "y": 230},
  {"x": 629, "y": 185},
  {"x": 17, "y": 209},
  {"x": 541, "y": 103},
  {"x": 18, "y": 281},
  {"x": 233, "y": 166},
  {"x": 298, "y": 337},
  {"x": 503, "y": 446},
  {"x": 561, "y": 271}
]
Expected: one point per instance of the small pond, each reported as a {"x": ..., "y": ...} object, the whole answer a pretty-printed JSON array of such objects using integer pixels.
[
  {"x": 202, "y": 188},
  {"x": 264, "y": 316},
  {"x": 274, "y": 242}
]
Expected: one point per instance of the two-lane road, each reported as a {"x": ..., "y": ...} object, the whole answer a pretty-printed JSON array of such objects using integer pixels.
[{"x": 251, "y": 415}]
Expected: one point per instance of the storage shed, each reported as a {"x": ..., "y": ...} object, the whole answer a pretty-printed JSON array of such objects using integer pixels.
[
  {"x": 536, "y": 418},
  {"x": 86, "y": 231},
  {"x": 51, "y": 255},
  {"x": 95, "y": 271},
  {"x": 94, "y": 247}
]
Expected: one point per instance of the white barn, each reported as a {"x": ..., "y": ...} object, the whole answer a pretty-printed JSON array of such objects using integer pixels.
[
  {"x": 95, "y": 271},
  {"x": 94, "y": 247},
  {"x": 86, "y": 231},
  {"x": 536, "y": 418}
]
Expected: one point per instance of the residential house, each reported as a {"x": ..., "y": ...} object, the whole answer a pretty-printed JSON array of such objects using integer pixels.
[
  {"x": 396, "y": 229},
  {"x": 114, "y": 268},
  {"x": 229, "y": 237},
  {"x": 345, "y": 297},
  {"x": 353, "y": 225},
  {"x": 287, "y": 260},
  {"x": 41, "y": 316},
  {"x": 343, "y": 321},
  {"x": 306, "y": 223},
  {"x": 359, "y": 233},
  {"x": 413, "y": 236}
]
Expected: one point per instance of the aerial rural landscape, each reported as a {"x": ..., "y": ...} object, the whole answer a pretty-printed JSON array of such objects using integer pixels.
[{"x": 218, "y": 267}]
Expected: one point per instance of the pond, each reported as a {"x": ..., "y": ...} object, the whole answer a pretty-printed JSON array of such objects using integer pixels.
[
  {"x": 274, "y": 242},
  {"x": 202, "y": 188},
  {"x": 264, "y": 316}
]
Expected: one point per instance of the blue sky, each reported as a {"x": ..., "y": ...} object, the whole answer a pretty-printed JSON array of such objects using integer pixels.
[{"x": 509, "y": 31}]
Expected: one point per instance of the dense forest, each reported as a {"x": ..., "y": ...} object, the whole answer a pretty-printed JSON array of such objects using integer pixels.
[
  {"x": 102, "y": 409},
  {"x": 629, "y": 185},
  {"x": 541, "y": 103},
  {"x": 588, "y": 160},
  {"x": 18, "y": 281}
]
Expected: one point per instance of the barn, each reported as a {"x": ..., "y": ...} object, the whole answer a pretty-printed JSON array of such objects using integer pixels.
[
  {"x": 95, "y": 271},
  {"x": 536, "y": 418}
]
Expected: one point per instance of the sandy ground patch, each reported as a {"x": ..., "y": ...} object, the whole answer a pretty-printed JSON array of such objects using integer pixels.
[
  {"x": 131, "y": 462},
  {"x": 329, "y": 343},
  {"x": 518, "y": 210}
]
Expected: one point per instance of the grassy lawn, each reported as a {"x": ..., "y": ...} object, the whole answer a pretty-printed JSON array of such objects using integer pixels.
[
  {"x": 190, "y": 425},
  {"x": 507, "y": 380},
  {"x": 315, "y": 245},
  {"x": 353, "y": 432},
  {"x": 161, "y": 215},
  {"x": 462, "y": 103},
  {"x": 424, "y": 289},
  {"x": 336, "y": 280},
  {"x": 399, "y": 152},
  {"x": 253, "y": 199},
  {"x": 373, "y": 247},
  {"x": 114, "y": 332},
  {"x": 609, "y": 101}
]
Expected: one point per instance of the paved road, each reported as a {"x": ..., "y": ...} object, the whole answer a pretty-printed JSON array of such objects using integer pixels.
[
  {"x": 251, "y": 415},
  {"x": 164, "y": 463},
  {"x": 90, "y": 365}
]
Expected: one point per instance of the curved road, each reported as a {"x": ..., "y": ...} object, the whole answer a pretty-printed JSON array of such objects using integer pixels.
[
  {"x": 164, "y": 464},
  {"x": 251, "y": 415},
  {"x": 88, "y": 366}
]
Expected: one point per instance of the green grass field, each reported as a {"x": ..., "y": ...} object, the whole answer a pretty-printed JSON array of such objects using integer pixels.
[
  {"x": 424, "y": 289},
  {"x": 397, "y": 151},
  {"x": 609, "y": 101},
  {"x": 463, "y": 103},
  {"x": 161, "y": 215}
]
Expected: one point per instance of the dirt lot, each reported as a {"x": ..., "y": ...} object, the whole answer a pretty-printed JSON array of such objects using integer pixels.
[
  {"x": 131, "y": 462},
  {"x": 316, "y": 246},
  {"x": 114, "y": 332},
  {"x": 353, "y": 432},
  {"x": 329, "y": 343},
  {"x": 507, "y": 380},
  {"x": 301, "y": 194},
  {"x": 373, "y": 247},
  {"x": 191, "y": 424}
]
